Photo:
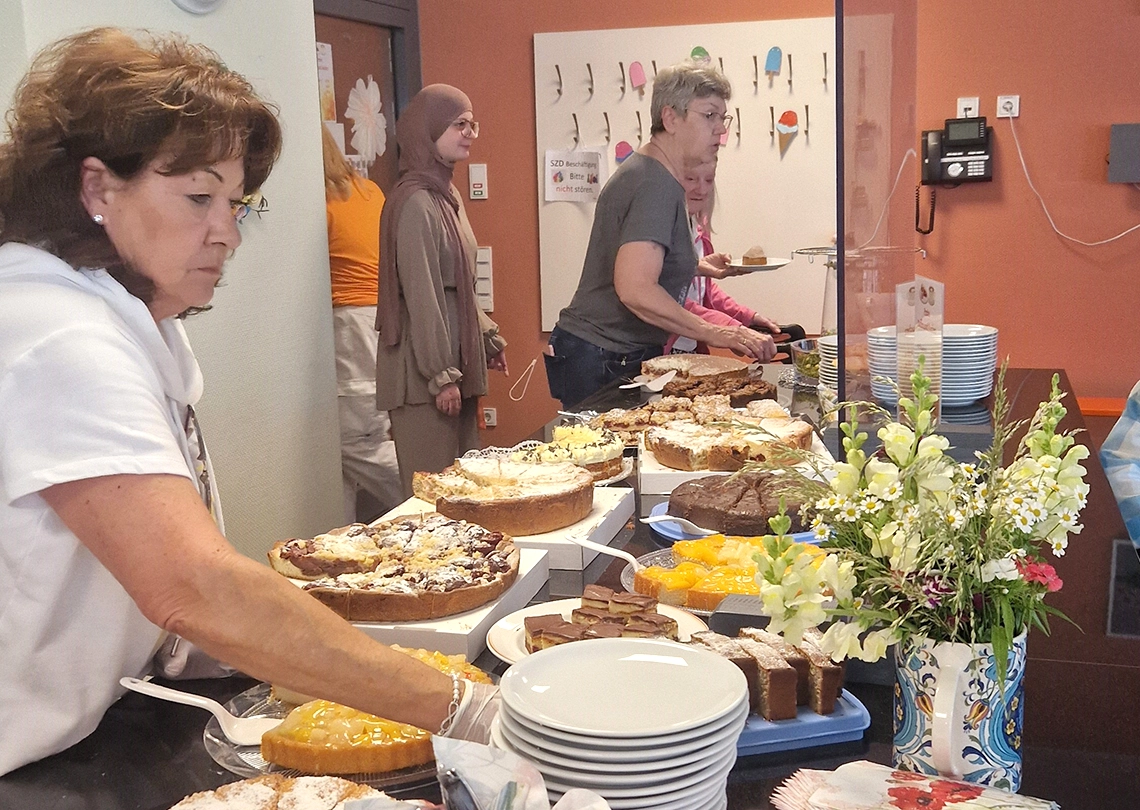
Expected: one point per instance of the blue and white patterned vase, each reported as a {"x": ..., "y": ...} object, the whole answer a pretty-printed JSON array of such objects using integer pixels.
[{"x": 951, "y": 717}]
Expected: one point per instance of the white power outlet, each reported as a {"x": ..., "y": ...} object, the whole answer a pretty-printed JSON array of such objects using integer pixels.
[
  {"x": 490, "y": 417},
  {"x": 1008, "y": 106}
]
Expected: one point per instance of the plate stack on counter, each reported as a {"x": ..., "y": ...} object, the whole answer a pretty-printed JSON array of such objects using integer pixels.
[
  {"x": 641, "y": 722},
  {"x": 969, "y": 355},
  {"x": 829, "y": 361}
]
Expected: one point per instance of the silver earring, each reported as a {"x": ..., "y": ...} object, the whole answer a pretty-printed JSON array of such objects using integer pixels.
[{"x": 97, "y": 219}]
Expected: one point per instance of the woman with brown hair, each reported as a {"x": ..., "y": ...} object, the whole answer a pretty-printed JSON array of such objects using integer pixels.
[
  {"x": 367, "y": 452},
  {"x": 126, "y": 162},
  {"x": 435, "y": 343}
]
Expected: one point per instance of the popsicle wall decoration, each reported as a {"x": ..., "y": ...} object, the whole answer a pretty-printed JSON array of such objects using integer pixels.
[
  {"x": 825, "y": 67},
  {"x": 772, "y": 63},
  {"x": 558, "y": 70},
  {"x": 606, "y": 116},
  {"x": 621, "y": 70},
  {"x": 789, "y": 71},
  {"x": 622, "y": 151},
  {"x": 637, "y": 78},
  {"x": 590, "y": 80},
  {"x": 755, "y": 74},
  {"x": 577, "y": 131},
  {"x": 787, "y": 127},
  {"x": 699, "y": 54}
]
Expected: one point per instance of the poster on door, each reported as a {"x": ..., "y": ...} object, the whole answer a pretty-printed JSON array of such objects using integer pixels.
[
  {"x": 575, "y": 176},
  {"x": 325, "y": 81}
]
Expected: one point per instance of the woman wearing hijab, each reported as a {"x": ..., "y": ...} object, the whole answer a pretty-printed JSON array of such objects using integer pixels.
[{"x": 435, "y": 343}]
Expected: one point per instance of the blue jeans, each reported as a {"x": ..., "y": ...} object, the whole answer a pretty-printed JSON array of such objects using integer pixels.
[{"x": 579, "y": 368}]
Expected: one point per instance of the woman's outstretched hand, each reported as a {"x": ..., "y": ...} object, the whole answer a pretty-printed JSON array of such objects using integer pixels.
[{"x": 498, "y": 362}]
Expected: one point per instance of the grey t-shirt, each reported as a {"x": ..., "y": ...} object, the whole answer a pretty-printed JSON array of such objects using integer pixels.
[{"x": 642, "y": 202}]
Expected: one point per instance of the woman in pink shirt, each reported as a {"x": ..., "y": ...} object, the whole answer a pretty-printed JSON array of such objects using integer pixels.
[{"x": 705, "y": 298}]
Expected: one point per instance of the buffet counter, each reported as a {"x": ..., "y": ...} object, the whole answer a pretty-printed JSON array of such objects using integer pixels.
[{"x": 1081, "y": 745}]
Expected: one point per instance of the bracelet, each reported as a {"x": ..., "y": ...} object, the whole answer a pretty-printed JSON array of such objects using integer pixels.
[{"x": 452, "y": 708}]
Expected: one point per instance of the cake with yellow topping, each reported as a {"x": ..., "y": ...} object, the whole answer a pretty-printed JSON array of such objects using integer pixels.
[
  {"x": 597, "y": 450},
  {"x": 706, "y": 570},
  {"x": 322, "y": 737}
]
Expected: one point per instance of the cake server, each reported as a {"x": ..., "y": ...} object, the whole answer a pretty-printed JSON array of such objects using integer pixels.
[
  {"x": 650, "y": 384},
  {"x": 613, "y": 552},
  {"x": 238, "y": 730},
  {"x": 686, "y": 526}
]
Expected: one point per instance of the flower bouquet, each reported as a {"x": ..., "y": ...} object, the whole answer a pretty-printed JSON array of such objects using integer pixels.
[
  {"x": 943, "y": 559},
  {"x": 919, "y": 544}
]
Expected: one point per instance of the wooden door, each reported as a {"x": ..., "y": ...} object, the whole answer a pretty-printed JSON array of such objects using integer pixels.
[{"x": 360, "y": 50}]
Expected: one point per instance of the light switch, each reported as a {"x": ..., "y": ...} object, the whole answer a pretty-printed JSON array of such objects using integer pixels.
[
  {"x": 477, "y": 180},
  {"x": 484, "y": 279}
]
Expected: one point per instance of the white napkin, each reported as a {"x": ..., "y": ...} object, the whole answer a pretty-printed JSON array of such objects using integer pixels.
[
  {"x": 501, "y": 780},
  {"x": 864, "y": 786}
]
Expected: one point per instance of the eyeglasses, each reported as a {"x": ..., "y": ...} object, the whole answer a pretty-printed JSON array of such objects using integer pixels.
[
  {"x": 713, "y": 118},
  {"x": 241, "y": 210},
  {"x": 468, "y": 128}
]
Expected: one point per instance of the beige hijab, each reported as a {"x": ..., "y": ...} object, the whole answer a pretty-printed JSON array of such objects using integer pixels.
[{"x": 423, "y": 121}]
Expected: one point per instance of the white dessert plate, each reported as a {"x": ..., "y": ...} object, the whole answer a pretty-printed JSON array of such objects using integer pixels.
[
  {"x": 705, "y": 786},
  {"x": 773, "y": 264},
  {"x": 631, "y": 751},
  {"x": 639, "y": 687},
  {"x": 528, "y": 730},
  {"x": 581, "y": 758},
  {"x": 605, "y": 774},
  {"x": 507, "y": 637},
  {"x": 695, "y": 782}
]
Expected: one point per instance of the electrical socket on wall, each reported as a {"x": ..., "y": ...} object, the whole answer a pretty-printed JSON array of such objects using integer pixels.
[
  {"x": 1008, "y": 106},
  {"x": 490, "y": 417}
]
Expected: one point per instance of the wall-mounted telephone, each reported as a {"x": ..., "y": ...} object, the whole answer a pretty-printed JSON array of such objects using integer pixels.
[{"x": 959, "y": 153}]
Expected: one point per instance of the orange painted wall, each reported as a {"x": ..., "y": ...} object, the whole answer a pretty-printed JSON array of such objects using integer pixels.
[
  {"x": 486, "y": 49},
  {"x": 1056, "y": 303}
]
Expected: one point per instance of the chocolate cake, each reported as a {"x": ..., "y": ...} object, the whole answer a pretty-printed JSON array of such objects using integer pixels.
[{"x": 736, "y": 504}]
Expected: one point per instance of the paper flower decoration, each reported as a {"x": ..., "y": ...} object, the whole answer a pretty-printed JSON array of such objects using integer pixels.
[{"x": 369, "y": 127}]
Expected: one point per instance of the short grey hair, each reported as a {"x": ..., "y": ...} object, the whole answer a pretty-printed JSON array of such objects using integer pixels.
[{"x": 678, "y": 85}]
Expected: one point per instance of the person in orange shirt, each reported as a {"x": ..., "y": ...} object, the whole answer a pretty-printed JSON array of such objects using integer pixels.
[{"x": 368, "y": 454}]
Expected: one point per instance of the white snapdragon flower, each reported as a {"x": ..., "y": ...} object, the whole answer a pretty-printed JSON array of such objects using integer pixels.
[
  {"x": 931, "y": 446},
  {"x": 883, "y": 477},
  {"x": 1005, "y": 568},
  {"x": 838, "y": 577},
  {"x": 875, "y": 644},
  {"x": 846, "y": 480},
  {"x": 898, "y": 443},
  {"x": 841, "y": 641}
]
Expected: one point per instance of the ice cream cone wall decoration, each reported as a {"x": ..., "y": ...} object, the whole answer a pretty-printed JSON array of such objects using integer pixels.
[{"x": 786, "y": 128}]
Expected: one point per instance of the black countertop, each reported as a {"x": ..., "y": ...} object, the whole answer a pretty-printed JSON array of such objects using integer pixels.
[{"x": 1082, "y": 735}]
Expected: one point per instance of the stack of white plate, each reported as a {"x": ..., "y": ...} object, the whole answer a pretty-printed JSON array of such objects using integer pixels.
[
  {"x": 829, "y": 361},
  {"x": 969, "y": 355},
  {"x": 641, "y": 722}
]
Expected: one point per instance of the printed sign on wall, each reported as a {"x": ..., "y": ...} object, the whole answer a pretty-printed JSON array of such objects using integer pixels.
[{"x": 575, "y": 176}]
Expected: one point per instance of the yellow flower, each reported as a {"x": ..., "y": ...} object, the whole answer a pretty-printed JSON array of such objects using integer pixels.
[
  {"x": 883, "y": 479},
  {"x": 898, "y": 442}
]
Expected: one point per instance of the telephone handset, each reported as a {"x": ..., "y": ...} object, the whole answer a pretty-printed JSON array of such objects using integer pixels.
[{"x": 959, "y": 153}]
